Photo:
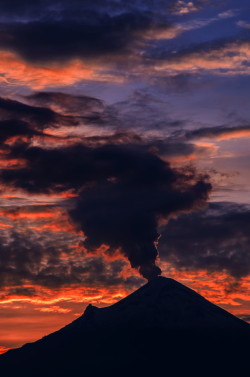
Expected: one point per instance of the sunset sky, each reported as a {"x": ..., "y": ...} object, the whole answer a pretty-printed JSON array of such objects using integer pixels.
[{"x": 125, "y": 146}]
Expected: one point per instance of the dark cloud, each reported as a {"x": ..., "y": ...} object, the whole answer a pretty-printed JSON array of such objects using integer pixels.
[
  {"x": 55, "y": 109},
  {"x": 123, "y": 192},
  {"x": 91, "y": 36},
  {"x": 125, "y": 120},
  {"x": 53, "y": 8},
  {"x": 60, "y": 30},
  {"x": 217, "y": 239},
  {"x": 27, "y": 257},
  {"x": 217, "y": 132},
  {"x": 22, "y": 119},
  {"x": 22, "y": 260},
  {"x": 68, "y": 103},
  {"x": 100, "y": 31},
  {"x": 122, "y": 137},
  {"x": 58, "y": 9},
  {"x": 171, "y": 148},
  {"x": 12, "y": 128},
  {"x": 46, "y": 8},
  {"x": 22, "y": 291},
  {"x": 38, "y": 117},
  {"x": 56, "y": 170}
]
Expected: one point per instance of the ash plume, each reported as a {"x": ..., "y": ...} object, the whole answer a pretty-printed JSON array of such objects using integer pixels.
[{"x": 123, "y": 193}]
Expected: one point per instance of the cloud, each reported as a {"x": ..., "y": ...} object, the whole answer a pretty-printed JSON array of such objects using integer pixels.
[
  {"x": 243, "y": 24},
  {"x": 63, "y": 43},
  {"x": 39, "y": 117},
  {"x": 93, "y": 35},
  {"x": 53, "y": 309},
  {"x": 12, "y": 128},
  {"x": 218, "y": 57},
  {"x": 177, "y": 29},
  {"x": 68, "y": 104},
  {"x": 31, "y": 212},
  {"x": 24, "y": 259},
  {"x": 177, "y": 151},
  {"x": 183, "y": 7},
  {"x": 47, "y": 112},
  {"x": 30, "y": 261},
  {"x": 41, "y": 218},
  {"x": 15, "y": 71},
  {"x": 74, "y": 9},
  {"x": 220, "y": 133},
  {"x": 216, "y": 239}
]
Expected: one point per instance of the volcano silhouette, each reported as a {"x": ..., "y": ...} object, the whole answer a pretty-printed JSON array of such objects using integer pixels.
[{"x": 163, "y": 328}]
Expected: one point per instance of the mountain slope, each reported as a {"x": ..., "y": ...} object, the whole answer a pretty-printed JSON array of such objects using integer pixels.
[
  {"x": 164, "y": 303},
  {"x": 162, "y": 328}
]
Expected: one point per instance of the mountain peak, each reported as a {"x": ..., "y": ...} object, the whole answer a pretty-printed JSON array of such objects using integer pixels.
[{"x": 162, "y": 302}]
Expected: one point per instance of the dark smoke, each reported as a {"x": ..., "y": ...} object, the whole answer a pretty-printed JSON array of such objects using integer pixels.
[
  {"x": 123, "y": 193},
  {"x": 123, "y": 211}
]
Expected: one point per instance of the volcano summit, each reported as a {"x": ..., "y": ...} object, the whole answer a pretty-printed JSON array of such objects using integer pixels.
[{"x": 163, "y": 328}]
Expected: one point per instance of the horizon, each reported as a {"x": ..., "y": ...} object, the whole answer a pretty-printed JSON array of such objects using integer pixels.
[{"x": 124, "y": 155}]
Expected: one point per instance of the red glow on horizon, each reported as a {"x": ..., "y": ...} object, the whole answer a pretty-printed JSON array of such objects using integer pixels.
[
  {"x": 49, "y": 309},
  {"x": 3, "y": 349}
]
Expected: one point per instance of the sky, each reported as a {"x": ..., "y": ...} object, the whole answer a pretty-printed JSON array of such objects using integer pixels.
[{"x": 125, "y": 145}]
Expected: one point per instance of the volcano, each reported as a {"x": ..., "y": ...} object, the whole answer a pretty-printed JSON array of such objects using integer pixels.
[{"x": 164, "y": 328}]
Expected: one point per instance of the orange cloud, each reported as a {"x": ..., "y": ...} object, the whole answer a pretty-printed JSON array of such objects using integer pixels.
[
  {"x": 2, "y": 225},
  {"x": 218, "y": 287},
  {"x": 15, "y": 71},
  {"x": 62, "y": 225},
  {"x": 203, "y": 150},
  {"x": 28, "y": 214},
  {"x": 183, "y": 7},
  {"x": 10, "y": 163},
  {"x": 227, "y": 60},
  {"x": 54, "y": 309},
  {"x": 161, "y": 33},
  {"x": 40, "y": 220},
  {"x": 220, "y": 134},
  {"x": 233, "y": 134},
  {"x": 83, "y": 294}
]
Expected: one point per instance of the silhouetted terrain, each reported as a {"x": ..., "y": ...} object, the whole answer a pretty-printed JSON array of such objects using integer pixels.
[{"x": 163, "y": 328}]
